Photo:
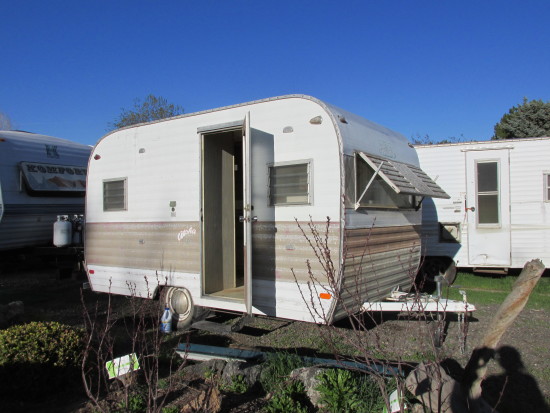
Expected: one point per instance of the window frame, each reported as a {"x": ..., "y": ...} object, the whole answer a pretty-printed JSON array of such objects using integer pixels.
[
  {"x": 106, "y": 208},
  {"x": 309, "y": 179},
  {"x": 488, "y": 193},
  {"x": 413, "y": 202}
]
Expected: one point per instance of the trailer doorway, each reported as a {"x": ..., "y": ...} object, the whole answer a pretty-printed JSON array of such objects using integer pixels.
[
  {"x": 222, "y": 206},
  {"x": 488, "y": 207}
]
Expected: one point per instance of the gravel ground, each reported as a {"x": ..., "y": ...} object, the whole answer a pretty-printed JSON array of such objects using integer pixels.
[{"x": 521, "y": 366}]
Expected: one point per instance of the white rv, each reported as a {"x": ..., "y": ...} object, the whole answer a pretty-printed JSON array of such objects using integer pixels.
[
  {"x": 206, "y": 206},
  {"x": 41, "y": 177},
  {"x": 498, "y": 216}
]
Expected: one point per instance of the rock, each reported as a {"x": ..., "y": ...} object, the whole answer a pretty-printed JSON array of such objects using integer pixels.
[
  {"x": 309, "y": 377},
  {"x": 439, "y": 392},
  {"x": 208, "y": 399},
  {"x": 233, "y": 368},
  {"x": 203, "y": 369}
]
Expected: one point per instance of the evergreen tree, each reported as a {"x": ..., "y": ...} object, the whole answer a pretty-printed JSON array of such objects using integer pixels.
[{"x": 528, "y": 120}]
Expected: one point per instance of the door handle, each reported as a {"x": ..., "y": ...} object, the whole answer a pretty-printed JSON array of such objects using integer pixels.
[
  {"x": 473, "y": 209},
  {"x": 243, "y": 219}
]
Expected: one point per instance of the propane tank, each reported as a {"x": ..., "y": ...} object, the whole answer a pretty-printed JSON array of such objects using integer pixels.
[{"x": 62, "y": 232}]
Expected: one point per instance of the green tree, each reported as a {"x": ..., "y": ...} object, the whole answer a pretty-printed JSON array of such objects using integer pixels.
[
  {"x": 151, "y": 108},
  {"x": 531, "y": 119}
]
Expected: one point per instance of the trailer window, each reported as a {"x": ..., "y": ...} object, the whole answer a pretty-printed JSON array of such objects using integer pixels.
[
  {"x": 546, "y": 177},
  {"x": 349, "y": 191},
  {"x": 487, "y": 193},
  {"x": 289, "y": 184},
  {"x": 114, "y": 195},
  {"x": 379, "y": 194}
]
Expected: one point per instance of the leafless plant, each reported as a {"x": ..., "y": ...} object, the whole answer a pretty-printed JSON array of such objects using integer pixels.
[
  {"x": 367, "y": 346},
  {"x": 135, "y": 332}
]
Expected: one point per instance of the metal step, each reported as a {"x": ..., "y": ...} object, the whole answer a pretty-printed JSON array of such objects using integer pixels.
[
  {"x": 212, "y": 327},
  {"x": 218, "y": 328}
]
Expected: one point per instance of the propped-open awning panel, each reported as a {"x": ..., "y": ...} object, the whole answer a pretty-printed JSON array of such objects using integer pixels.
[{"x": 404, "y": 178}]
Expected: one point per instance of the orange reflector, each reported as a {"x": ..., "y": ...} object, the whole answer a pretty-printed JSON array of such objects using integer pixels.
[{"x": 325, "y": 296}]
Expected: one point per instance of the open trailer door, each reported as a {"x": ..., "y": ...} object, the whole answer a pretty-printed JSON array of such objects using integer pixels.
[{"x": 248, "y": 218}]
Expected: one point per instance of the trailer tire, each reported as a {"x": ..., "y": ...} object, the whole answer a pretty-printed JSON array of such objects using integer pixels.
[
  {"x": 180, "y": 303},
  {"x": 434, "y": 266}
]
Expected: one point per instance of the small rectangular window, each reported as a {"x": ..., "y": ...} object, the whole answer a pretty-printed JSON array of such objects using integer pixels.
[
  {"x": 487, "y": 193},
  {"x": 546, "y": 186},
  {"x": 289, "y": 184},
  {"x": 114, "y": 195}
]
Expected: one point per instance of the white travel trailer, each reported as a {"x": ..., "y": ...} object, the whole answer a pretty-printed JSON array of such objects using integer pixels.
[
  {"x": 206, "y": 206},
  {"x": 498, "y": 216},
  {"x": 41, "y": 177}
]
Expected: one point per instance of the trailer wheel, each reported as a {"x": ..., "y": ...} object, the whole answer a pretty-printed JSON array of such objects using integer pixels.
[
  {"x": 434, "y": 266},
  {"x": 180, "y": 303}
]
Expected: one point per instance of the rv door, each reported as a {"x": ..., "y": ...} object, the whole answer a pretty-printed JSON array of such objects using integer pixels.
[
  {"x": 248, "y": 217},
  {"x": 488, "y": 207}
]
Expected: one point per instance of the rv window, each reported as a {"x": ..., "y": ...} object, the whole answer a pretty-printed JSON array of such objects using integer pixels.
[
  {"x": 289, "y": 184},
  {"x": 487, "y": 193},
  {"x": 547, "y": 187},
  {"x": 349, "y": 193},
  {"x": 114, "y": 195},
  {"x": 379, "y": 194}
]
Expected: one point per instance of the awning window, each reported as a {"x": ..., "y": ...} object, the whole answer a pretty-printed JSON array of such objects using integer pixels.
[{"x": 403, "y": 178}]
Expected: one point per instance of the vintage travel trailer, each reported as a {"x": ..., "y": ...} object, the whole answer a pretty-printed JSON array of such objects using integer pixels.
[
  {"x": 41, "y": 177},
  {"x": 498, "y": 216},
  {"x": 207, "y": 210}
]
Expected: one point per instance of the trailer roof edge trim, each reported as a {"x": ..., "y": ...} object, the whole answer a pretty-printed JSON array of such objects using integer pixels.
[{"x": 404, "y": 178}]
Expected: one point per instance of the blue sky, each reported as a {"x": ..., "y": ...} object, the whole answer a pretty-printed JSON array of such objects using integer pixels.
[{"x": 438, "y": 68}]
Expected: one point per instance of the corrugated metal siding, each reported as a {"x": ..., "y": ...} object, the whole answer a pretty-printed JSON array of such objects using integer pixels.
[
  {"x": 281, "y": 247},
  {"x": 163, "y": 246},
  {"x": 376, "y": 261}
]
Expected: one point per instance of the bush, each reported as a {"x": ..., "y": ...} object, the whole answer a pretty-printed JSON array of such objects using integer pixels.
[
  {"x": 277, "y": 368},
  {"x": 345, "y": 391},
  {"x": 291, "y": 398},
  {"x": 37, "y": 358}
]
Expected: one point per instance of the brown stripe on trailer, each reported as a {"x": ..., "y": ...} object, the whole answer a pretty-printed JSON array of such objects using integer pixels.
[
  {"x": 376, "y": 260},
  {"x": 163, "y": 246},
  {"x": 281, "y": 248}
]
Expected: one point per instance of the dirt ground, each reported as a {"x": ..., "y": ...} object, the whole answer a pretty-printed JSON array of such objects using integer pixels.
[{"x": 521, "y": 365}]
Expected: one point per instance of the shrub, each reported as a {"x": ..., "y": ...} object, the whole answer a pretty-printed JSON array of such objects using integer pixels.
[
  {"x": 136, "y": 403},
  {"x": 277, "y": 368},
  {"x": 291, "y": 398},
  {"x": 37, "y": 358},
  {"x": 237, "y": 385},
  {"x": 345, "y": 391}
]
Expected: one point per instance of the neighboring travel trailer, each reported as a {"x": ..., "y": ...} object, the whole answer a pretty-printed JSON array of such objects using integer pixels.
[
  {"x": 41, "y": 177},
  {"x": 498, "y": 216},
  {"x": 207, "y": 210}
]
